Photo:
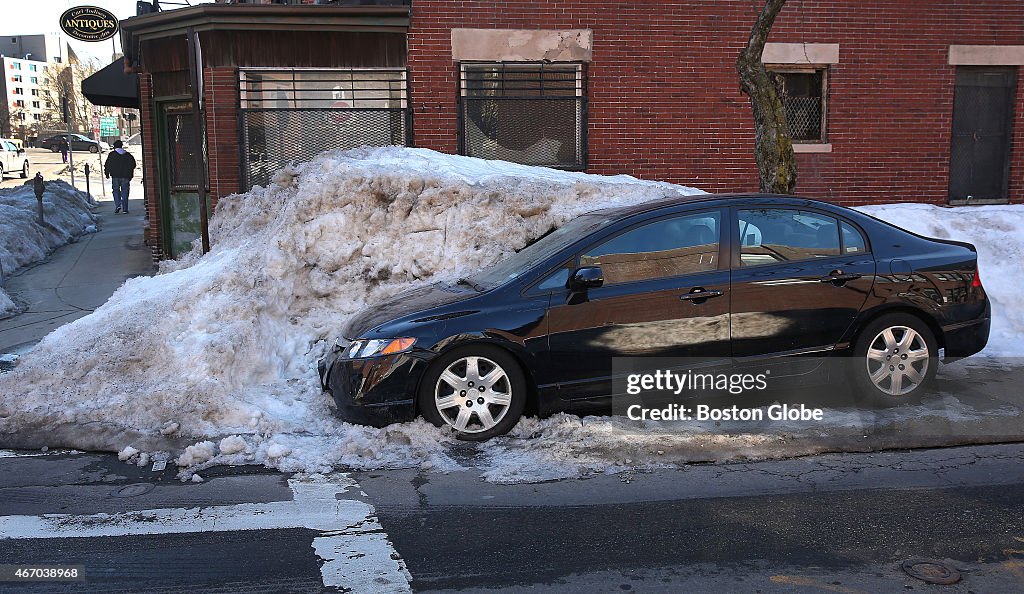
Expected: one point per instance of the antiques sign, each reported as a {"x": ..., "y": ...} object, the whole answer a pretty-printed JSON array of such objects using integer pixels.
[{"x": 89, "y": 23}]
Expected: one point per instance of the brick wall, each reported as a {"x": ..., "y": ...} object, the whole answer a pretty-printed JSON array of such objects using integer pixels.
[
  {"x": 664, "y": 101},
  {"x": 221, "y": 89},
  {"x": 150, "y": 173}
]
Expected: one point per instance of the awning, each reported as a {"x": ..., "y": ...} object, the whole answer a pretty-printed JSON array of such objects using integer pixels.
[{"x": 112, "y": 87}]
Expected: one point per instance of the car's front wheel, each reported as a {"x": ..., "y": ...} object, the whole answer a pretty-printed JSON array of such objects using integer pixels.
[
  {"x": 479, "y": 391},
  {"x": 895, "y": 358},
  {"x": 94, "y": 149}
]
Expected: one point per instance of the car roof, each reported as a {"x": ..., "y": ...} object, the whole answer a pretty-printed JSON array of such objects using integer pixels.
[{"x": 767, "y": 199}]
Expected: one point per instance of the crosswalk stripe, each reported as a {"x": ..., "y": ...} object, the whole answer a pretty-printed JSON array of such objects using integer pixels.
[{"x": 355, "y": 550}]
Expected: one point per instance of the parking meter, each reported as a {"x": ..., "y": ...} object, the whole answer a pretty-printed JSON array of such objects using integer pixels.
[{"x": 39, "y": 186}]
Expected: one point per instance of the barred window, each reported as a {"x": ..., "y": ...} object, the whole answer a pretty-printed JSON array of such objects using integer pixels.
[
  {"x": 804, "y": 94},
  {"x": 293, "y": 115},
  {"x": 529, "y": 113}
]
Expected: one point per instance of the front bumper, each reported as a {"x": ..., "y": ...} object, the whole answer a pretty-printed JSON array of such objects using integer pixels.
[{"x": 375, "y": 391}]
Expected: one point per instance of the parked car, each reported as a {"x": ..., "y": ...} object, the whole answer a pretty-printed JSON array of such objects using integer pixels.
[
  {"x": 12, "y": 159},
  {"x": 723, "y": 277},
  {"x": 78, "y": 143}
]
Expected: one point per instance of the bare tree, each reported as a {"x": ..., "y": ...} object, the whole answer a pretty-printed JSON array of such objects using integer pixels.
[
  {"x": 64, "y": 80},
  {"x": 773, "y": 147}
]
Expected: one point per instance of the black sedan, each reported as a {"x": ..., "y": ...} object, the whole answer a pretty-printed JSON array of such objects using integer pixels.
[
  {"x": 79, "y": 143},
  {"x": 719, "y": 277}
]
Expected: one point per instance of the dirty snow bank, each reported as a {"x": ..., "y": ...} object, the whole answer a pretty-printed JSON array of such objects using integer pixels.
[
  {"x": 998, "y": 233},
  {"x": 225, "y": 345},
  {"x": 24, "y": 241}
]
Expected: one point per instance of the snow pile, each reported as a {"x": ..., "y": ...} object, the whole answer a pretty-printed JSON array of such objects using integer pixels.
[
  {"x": 23, "y": 240},
  {"x": 998, "y": 233},
  {"x": 225, "y": 345}
]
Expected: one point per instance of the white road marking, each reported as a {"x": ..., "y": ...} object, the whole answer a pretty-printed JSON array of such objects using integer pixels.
[{"x": 355, "y": 550}]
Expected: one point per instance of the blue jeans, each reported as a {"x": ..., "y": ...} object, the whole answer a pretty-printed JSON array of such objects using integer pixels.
[{"x": 119, "y": 185}]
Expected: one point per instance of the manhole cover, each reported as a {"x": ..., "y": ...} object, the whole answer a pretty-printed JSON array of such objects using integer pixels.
[
  {"x": 132, "y": 490},
  {"x": 931, "y": 572}
]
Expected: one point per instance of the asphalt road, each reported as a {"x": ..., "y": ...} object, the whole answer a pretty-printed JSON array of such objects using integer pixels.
[{"x": 831, "y": 523}]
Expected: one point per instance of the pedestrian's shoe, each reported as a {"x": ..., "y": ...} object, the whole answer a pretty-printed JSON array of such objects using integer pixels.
[
  {"x": 117, "y": 210},
  {"x": 125, "y": 212}
]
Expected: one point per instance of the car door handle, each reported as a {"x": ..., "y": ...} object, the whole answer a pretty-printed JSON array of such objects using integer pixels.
[
  {"x": 700, "y": 294},
  {"x": 838, "y": 276}
]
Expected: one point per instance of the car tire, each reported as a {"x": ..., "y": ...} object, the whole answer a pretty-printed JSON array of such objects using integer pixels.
[
  {"x": 452, "y": 395},
  {"x": 54, "y": 148},
  {"x": 24, "y": 171},
  {"x": 94, "y": 149},
  {"x": 895, "y": 358}
]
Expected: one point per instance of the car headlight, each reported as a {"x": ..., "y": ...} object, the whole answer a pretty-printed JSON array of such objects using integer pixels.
[{"x": 360, "y": 349}]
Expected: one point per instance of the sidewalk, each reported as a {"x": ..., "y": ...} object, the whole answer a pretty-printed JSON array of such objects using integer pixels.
[{"x": 79, "y": 277}]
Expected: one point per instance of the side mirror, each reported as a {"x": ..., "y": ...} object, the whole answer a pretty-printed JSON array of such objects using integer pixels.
[
  {"x": 589, "y": 277},
  {"x": 21, "y": 151}
]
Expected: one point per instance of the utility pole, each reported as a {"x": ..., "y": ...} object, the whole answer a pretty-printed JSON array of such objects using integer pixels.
[{"x": 71, "y": 147}]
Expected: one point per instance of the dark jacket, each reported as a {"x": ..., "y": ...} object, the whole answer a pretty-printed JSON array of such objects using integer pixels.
[{"x": 120, "y": 166}]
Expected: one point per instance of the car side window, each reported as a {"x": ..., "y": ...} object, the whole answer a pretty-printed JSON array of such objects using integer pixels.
[
  {"x": 853, "y": 240},
  {"x": 773, "y": 235},
  {"x": 665, "y": 248}
]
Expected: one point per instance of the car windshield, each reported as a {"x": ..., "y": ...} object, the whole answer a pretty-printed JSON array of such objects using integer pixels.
[{"x": 526, "y": 258}]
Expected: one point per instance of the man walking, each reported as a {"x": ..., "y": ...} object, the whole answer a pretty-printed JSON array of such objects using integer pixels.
[{"x": 120, "y": 168}]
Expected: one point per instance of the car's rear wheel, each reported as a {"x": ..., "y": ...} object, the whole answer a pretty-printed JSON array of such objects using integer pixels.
[
  {"x": 479, "y": 391},
  {"x": 24, "y": 170},
  {"x": 895, "y": 358}
]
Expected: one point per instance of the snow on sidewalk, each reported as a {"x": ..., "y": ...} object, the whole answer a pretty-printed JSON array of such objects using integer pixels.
[
  {"x": 227, "y": 343},
  {"x": 24, "y": 241},
  {"x": 213, "y": 361}
]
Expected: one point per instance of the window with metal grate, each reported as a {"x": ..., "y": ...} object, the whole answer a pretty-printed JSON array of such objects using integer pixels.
[
  {"x": 524, "y": 112},
  {"x": 293, "y": 115},
  {"x": 804, "y": 93}
]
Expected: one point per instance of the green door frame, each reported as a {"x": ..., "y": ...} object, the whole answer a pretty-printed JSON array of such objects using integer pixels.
[{"x": 164, "y": 186}]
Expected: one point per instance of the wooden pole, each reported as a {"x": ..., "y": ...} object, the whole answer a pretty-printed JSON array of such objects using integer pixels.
[{"x": 194, "y": 67}]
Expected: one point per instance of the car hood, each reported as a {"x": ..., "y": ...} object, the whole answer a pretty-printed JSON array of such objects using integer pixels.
[{"x": 414, "y": 304}]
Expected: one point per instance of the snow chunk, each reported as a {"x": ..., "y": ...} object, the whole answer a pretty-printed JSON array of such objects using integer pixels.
[
  {"x": 278, "y": 451},
  {"x": 197, "y": 454},
  {"x": 232, "y": 445},
  {"x": 127, "y": 453}
]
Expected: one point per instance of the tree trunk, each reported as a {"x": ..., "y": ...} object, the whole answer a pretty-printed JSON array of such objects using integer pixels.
[{"x": 773, "y": 148}]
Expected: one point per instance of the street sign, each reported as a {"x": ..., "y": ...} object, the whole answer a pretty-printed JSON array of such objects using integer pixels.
[{"x": 108, "y": 126}]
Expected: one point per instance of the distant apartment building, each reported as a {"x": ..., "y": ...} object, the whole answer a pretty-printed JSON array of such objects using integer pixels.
[{"x": 25, "y": 87}]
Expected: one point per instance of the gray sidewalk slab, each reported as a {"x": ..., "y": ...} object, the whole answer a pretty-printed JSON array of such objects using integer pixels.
[{"x": 77, "y": 278}]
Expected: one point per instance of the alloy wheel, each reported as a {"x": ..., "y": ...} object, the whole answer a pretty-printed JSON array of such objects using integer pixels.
[
  {"x": 473, "y": 394},
  {"x": 897, "y": 360}
]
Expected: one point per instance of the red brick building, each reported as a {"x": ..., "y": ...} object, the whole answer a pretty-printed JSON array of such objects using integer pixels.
[{"x": 889, "y": 101}]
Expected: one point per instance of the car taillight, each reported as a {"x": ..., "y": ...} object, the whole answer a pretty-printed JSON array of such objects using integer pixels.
[{"x": 976, "y": 282}]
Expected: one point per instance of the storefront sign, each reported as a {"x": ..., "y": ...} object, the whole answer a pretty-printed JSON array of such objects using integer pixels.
[{"x": 89, "y": 23}]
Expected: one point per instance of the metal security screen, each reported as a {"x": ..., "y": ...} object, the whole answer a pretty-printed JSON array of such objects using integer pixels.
[
  {"x": 293, "y": 115},
  {"x": 527, "y": 113},
  {"x": 979, "y": 161},
  {"x": 803, "y": 94}
]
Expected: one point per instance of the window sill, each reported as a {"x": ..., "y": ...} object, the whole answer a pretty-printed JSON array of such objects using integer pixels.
[{"x": 812, "y": 147}]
